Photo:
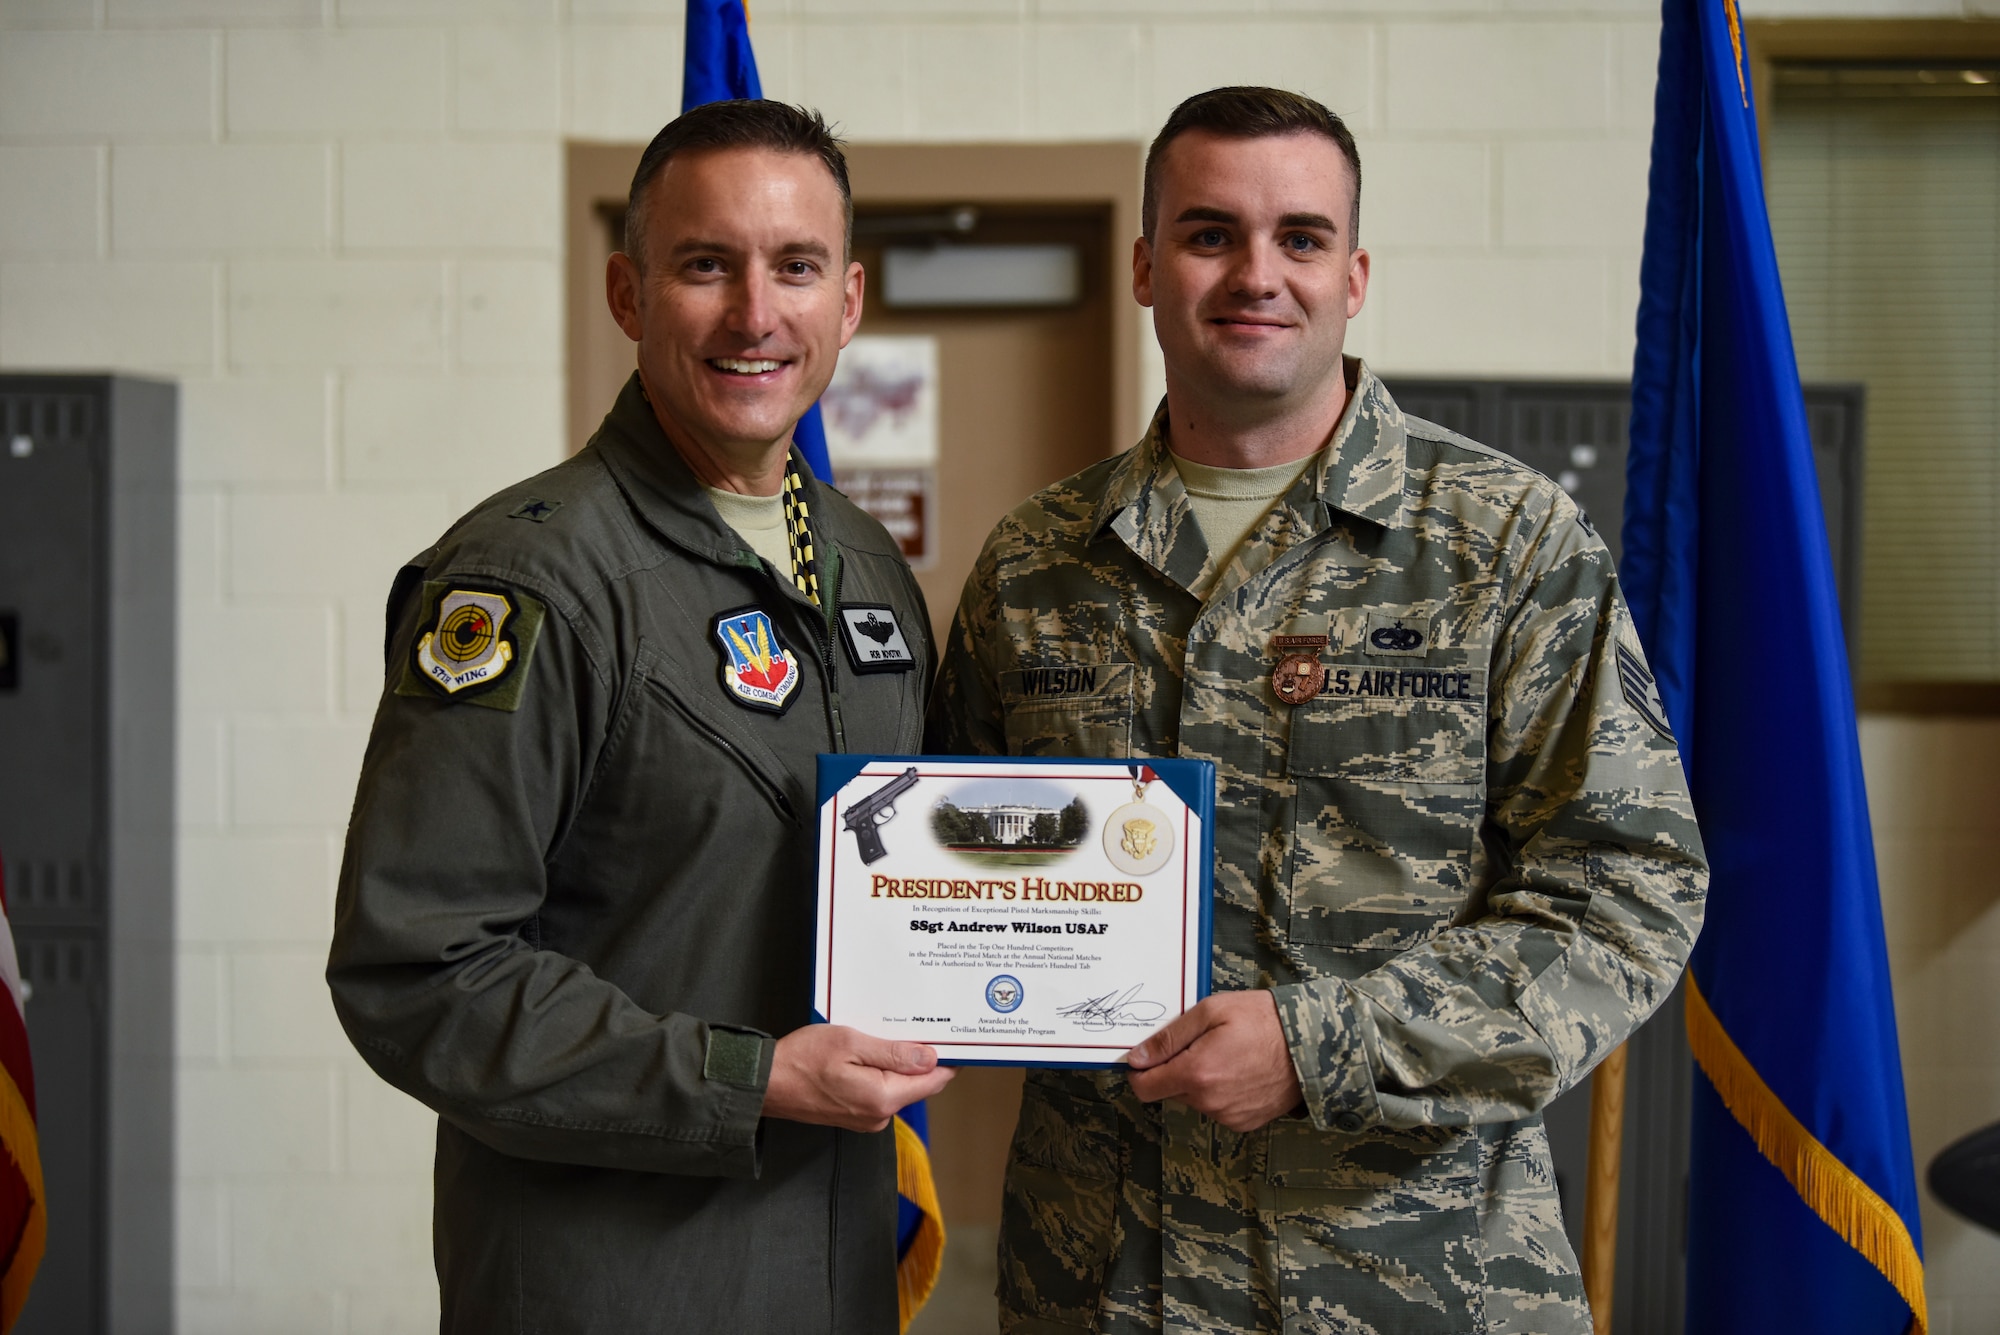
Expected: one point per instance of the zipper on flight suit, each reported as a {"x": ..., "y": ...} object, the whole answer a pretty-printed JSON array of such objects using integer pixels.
[{"x": 830, "y": 605}]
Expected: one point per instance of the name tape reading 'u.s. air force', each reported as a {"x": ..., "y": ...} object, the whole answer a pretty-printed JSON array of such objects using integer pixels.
[{"x": 1446, "y": 684}]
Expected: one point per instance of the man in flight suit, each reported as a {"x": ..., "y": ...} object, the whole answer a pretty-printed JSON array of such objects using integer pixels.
[
  {"x": 1455, "y": 859},
  {"x": 575, "y": 911}
]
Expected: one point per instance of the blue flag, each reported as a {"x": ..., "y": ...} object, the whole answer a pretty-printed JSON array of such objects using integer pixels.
[
  {"x": 717, "y": 65},
  {"x": 1802, "y": 1209}
]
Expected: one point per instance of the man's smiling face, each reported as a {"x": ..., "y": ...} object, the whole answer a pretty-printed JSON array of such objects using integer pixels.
[
  {"x": 742, "y": 299},
  {"x": 1252, "y": 272}
]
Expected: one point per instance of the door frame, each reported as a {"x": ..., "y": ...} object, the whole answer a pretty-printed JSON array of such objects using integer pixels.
[{"x": 1107, "y": 174}]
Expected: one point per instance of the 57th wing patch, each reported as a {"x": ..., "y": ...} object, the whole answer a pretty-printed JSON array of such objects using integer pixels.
[{"x": 473, "y": 645}]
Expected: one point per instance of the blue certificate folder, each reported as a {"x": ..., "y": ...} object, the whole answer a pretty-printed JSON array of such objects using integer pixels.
[{"x": 900, "y": 805}]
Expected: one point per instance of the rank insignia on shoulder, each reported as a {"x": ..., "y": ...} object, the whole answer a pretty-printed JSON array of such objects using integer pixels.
[
  {"x": 536, "y": 509},
  {"x": 757, "y": 670},
  {"x": 874, "y": 639},
  {"x": 472, "y": 644},
  {"x": 1299, "y": 675}
]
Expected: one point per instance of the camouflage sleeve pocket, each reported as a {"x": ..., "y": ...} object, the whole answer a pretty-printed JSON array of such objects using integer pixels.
[
  {"x": 1074, "y": 709},
  {"x": 1059, "y": 1211}
]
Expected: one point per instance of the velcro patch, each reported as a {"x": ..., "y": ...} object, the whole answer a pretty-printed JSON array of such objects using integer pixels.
[
  {"x": 758, "y": 671},
  {"x": 874, "y": 639},
  {"x": 732, "y": 1058},
  {"x": 473, "y": 644}
]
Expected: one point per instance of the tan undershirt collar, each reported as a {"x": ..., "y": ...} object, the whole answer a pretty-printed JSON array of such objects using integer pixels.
[
  {"x": 1230, "y": 502},
  {"x": 759, "y": 521}
]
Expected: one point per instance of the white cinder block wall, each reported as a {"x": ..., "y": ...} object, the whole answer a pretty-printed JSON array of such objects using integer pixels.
[{"x": 337, "y": 224}]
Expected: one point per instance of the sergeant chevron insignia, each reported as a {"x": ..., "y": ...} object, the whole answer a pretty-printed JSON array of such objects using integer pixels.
[
  {"x": 758, "y": 671},
  {"x": 1642, "y": 692}
]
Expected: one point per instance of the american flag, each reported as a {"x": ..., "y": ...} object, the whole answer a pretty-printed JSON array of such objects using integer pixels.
[{"x": 24, "y": 1220}]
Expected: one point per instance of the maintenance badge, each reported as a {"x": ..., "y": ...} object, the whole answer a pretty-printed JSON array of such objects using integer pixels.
[{"x": 757, "y": 670}]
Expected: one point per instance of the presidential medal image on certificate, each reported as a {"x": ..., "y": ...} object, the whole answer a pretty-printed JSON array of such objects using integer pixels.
[{"x": 1009, "y": 911}]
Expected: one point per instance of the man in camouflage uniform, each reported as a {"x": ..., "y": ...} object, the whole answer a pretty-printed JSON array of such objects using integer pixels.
[{"x": 1455, "y": 859}]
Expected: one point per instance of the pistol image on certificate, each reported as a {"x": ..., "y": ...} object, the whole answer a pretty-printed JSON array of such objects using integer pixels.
[{"x": 877, "y": 809}]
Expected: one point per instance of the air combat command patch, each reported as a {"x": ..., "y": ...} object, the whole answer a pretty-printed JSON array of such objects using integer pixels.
[
  {"x": 757, "y": 670},
  {"x": 472, "y": 645}
]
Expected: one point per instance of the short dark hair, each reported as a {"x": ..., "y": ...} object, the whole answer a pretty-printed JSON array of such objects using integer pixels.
[
  {"x": 746, "y": 123},
  {"x": 1249, "y": 113}
]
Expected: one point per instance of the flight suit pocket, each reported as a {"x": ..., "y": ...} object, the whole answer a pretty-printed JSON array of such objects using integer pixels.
[
  {"x": 1074, "y": 709},
  {"x": 1059, "y": 1209},
  {"x": 1388, "y": 766},
  {"x": 666, "y": 710},
  {"x": 1376, "y": 1232}
]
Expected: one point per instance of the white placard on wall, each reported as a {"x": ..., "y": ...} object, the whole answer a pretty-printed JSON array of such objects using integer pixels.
[{"x": 882, "y": 407}]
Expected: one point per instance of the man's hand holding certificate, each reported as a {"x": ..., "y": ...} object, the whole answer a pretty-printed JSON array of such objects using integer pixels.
[{"x": 1012, "y": 912}]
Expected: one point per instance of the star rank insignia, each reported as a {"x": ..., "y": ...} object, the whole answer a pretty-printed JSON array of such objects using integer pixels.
[{"x": 536, "y": 510}]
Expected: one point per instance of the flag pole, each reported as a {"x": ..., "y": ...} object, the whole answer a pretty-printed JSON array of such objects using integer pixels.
[{"x": 1600, "y": 1199}]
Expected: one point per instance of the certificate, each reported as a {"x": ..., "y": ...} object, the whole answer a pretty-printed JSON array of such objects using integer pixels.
[{"x": 1012, "y": 912}]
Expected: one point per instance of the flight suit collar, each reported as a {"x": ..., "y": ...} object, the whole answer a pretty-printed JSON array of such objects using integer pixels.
[
  {"x": 665, "y": 491},
  {"x": 1361, "y": 475}
]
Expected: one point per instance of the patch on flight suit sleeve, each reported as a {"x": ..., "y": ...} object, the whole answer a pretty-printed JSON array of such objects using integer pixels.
[
  {"x": 473, "y": 645},
  {"x": 1641, "y": 690}
]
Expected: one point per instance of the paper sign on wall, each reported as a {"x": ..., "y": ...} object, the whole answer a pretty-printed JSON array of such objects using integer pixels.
[
  {"x": 881, "y": 415},
  {"x": 882, "y": 408}
]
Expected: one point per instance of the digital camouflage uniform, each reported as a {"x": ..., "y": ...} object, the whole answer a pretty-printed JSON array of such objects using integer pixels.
[{"x": 1468, "y": 869}]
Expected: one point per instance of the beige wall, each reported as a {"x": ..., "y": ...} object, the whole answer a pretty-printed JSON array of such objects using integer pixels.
[
  {"x": 337, "y": 223},
  {"x": 1934, "y": 800}
]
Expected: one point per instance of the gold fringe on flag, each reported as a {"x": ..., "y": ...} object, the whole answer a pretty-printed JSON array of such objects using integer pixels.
[
  {"x": 23, "y": 1146},
  {"x": 917, "y": 1272},
  {"x": 1829, "y": 1187}
]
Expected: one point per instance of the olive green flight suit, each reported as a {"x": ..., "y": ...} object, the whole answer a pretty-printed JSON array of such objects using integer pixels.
[
  {"x": 577, "y": 903},
  {"x": 1467, "y": 869}
]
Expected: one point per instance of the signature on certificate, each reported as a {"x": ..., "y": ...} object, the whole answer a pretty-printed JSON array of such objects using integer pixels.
[{"x": 1115, "y": 1009}]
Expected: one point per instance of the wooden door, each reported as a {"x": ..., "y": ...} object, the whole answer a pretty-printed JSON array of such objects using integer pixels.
[{"x": 1026, "y": 397}]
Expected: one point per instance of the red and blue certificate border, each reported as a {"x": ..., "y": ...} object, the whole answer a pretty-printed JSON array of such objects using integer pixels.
[{"x": 1192, "y": 781}]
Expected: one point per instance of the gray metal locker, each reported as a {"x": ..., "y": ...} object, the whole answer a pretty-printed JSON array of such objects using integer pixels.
[
  {"x": 87, "y": 613},
  {"x": 1577, "y": 432}
]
